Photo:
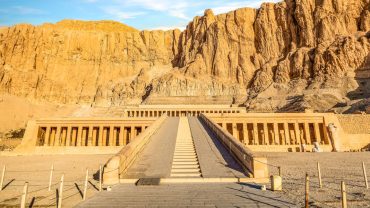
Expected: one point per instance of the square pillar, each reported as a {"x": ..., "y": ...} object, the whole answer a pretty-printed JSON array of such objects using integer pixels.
[
  {"x": 52, "y": 137},
  {"x": 47, "y": 136},
  {"x": 90, "y": 136},
  {"x": 245, "y": 134},
  {"x": 57, "y": 136},
  {"x": 121, "y": 133},
  {"x": 276, "y": 133},
  {"x": 133, "y": 133},
  {"x": 73, "y": 136},
  {"x": 255, "y": 133},
  {"x": 307, "y": 133},
  {"x": 235, "y": 131},
  {"x": 68, "y": 137},
  {"x": 265, "y": 134},
  {"x": 297, "y": 133},
  {"x": 125, "y": 136},
  {"x": 79, "y": 135},
  {"x": 286, "y": 132},
  {"x": 63, "y": 137},
  {"x": 111, "y": 136},
  {"x": 100, "y": 139},
  {"x": 94, "y": 136},
  {"x": 317, "y": 133}
]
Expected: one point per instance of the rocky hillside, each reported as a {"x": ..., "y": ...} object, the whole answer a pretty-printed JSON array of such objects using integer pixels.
[{"x": 286, "y": 56}]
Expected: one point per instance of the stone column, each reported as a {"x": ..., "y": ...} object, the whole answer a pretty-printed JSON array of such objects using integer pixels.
[
  {"x": 111, "y": 136},
  {"x": 52, "y": 137},
  {"x": 282, "y": 136},
  {"x": 121, "y": 132},
  {"x": 245, "y": 134},
  {"x": 84, "y": 136},
  {"x": 255, "y": 133},
  {"x": 307, "y": 133},
  {"x": 317, "y": 133},
  {"x": 94, "y": 136},
  {"x": 235, "y": 131},
  {"x": 90, "y": 136},
  {"x": 286, "y": 133},
  {"x": 266, "y": 134},
  {"x": 47, "y": 136},
  {"x": 133, "y": 132},
  {"x": 74, "y": 137},
  {"x": 101, "y": 136},
  {"x": 297, "y": 133},
  {"x": 276, "y": 133},
  {"x": 63, "y": 138},
  {"x": 79, "y": 134},
  {"x": 68, "y": 137},
  {"x": 125, "y": 136}
]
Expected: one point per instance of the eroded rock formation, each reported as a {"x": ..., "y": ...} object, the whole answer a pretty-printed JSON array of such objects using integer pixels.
[{"x": 290, "y": 55}]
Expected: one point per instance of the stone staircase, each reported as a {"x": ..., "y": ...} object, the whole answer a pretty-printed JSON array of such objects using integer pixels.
[{"x": 185, "y": 160}]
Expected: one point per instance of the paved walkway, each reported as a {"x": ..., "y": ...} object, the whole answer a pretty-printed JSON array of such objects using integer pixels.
[
  {"x": 156, "y": 159},
  {"x": 215, "y": 161},
  {"x": 187, "y": 195}
]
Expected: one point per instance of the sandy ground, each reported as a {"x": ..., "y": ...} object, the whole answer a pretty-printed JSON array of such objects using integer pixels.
[
  {"x": 335, "y": 167},
  {"x": 36, "y": 171}
]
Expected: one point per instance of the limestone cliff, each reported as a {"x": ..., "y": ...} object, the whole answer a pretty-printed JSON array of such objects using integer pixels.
[{"x": 286, "y": 56}]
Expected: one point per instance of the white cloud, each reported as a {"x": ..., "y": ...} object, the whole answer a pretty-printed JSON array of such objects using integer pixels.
[{"x": 121, "y": 15}]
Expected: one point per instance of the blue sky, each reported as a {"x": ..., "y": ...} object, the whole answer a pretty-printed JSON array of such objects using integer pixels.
[{"x": 141, "y": 14}]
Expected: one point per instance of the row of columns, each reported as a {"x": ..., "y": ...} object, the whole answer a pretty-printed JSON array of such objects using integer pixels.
[
  {"x": 59, "y": 135},
  {"x": 277, "y": 133},
  {"x": 174, "y": 113}
]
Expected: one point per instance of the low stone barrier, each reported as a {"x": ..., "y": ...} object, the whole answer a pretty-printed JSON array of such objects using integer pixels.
[
  {"x": 257, "y": 166},
  {"x": 118, "y": 164}
]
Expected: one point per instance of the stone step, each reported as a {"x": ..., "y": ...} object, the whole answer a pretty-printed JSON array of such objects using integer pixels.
[
  {"x": 186, "y": 174},
  {"x": 185, "y": 163},
  {"x": 185, "y": 170},
  {"x": 185, "y": 157},
  {"x": 185, "y": 160},
  {"x": 184, "y": 154},
  {"x": 185, "y": 166}
]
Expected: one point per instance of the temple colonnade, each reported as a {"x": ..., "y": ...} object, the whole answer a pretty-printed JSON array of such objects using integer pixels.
[
  {"x": 275, "y": 130},
  {"x": 89, "y": 133},
  {"x": 177, "y": 113}
]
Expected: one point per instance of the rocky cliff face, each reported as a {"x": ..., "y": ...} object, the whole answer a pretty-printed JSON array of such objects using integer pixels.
[{"x": 287, "y": 56}]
